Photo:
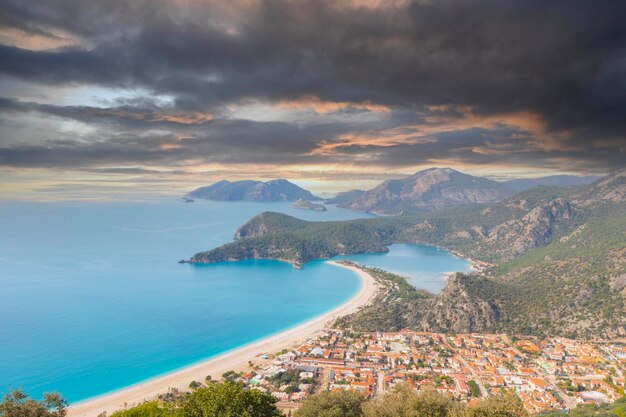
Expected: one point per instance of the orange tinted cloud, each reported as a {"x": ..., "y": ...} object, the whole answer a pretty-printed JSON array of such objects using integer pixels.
[
  {"x": 525, "y": 120},
  {"x": 325, "y": 107},
  {"x": 529, "y": 121},
  {"x": 380, "y": 139},
  {"x": 35, "y": 42},
  {"x": 454, "y": 119},
  {"x": 180, "y": 118}
]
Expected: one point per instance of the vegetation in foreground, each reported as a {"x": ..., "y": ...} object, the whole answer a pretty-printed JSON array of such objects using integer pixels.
[
  {"x": 18, "y": 404},
  {"x": 404, "y": 402},
  {"x": 617, "y": 409},
  {"x": 230, "y": 399},
  {"x": 226, "y": 399}
]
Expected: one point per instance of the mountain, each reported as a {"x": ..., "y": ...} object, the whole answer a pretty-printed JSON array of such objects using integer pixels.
[
  {"x": 345, "y": 197},
  {"x": 274, "y": 190},
  {"x": 522, "y": 184},
  {"x": 427, "y": 190},
  {"x": 554, "y": 259}
]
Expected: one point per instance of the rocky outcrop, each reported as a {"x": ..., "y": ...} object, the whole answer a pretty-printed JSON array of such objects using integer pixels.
[
  {"x": 307, "y": 205},
  {"x": 458, "y": 308},
  {"x": 611, "y": 188},
  {"x": 536, "y": 228}
]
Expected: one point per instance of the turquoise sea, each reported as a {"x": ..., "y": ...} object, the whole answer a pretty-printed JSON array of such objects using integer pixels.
[{"x": 92, "y": 298}]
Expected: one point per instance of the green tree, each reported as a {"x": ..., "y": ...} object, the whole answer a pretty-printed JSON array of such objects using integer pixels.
[
  {"x": 474, "y": 388},
  {"x": 405, "y": 402},
  {"x": 332, "y": 404},
  {"x": 229, "y": 400},
  {"x": 18, "y": 404},
  {"x": 617, "y": 409},
  {"x": 501, "y": 405},
  {"x": 150, "y": 409}
]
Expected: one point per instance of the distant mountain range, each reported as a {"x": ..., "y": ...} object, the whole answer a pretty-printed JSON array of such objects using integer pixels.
[
  {"x": 551, "y": 181},
  {"x": 345, "y": 197},
  {"x": 426, "y": 190},
  {"x": 441, "y": 187},
  {"x": 248, "y": 190}
]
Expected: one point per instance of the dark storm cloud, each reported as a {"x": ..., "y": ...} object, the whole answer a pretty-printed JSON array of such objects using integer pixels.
[
  {"x": 280, "y": 144},
  {"x": 224, "y": 141},
  {"x": 495, "y": 147},
  {"x": 564, "y": 60},
  {"x": 142, "y": 116},
  {"x": 133, "y": 171}
]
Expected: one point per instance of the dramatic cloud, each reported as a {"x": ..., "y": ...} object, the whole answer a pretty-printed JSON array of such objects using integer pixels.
[{"x": 323, "y": 85}]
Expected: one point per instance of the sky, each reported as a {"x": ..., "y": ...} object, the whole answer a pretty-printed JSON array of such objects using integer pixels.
[{"x": 106, "y": 99}]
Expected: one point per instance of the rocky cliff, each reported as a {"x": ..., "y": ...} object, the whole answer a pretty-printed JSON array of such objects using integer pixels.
[
  {"x": 459, "y": 308},
  {"x": 534, "y": 229}
]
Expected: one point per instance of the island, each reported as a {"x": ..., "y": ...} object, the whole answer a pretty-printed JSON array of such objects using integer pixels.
[
  {"x": 307, "y": 205},
  {"x": 250, "y": 190}
]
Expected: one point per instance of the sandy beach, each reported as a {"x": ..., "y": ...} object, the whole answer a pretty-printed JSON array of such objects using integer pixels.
[{"x": 236, "y": 359}]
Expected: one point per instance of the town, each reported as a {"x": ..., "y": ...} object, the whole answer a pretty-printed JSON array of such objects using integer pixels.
[{"x": 548, "y": 375}]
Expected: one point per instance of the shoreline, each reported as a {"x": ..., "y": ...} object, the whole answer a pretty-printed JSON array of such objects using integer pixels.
[{"x": 236, "y": 359}]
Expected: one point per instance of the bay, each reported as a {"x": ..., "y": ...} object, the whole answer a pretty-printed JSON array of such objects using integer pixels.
[{"x": 92, "y": 298}]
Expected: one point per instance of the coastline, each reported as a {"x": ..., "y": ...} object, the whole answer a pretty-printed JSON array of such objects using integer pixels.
[{"x": 236, "y": 359}]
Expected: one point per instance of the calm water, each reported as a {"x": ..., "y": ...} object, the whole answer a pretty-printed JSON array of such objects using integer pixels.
[
  {"x": 92, "y": 298},
  {"x": 424, "y": 266}
]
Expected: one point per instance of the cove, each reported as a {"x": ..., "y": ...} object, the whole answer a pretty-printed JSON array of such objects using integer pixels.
[{"x": 424, "y": 266}]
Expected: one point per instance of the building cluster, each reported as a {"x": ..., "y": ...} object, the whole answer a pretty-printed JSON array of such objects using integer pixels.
[{"x": 554, "y": 374}]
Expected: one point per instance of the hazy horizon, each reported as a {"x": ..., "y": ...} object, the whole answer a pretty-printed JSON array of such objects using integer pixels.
[{"x": 317, "y": 187}]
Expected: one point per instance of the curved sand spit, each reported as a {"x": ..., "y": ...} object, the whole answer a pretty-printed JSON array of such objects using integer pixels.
[{"x": 236, "y": 359}]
